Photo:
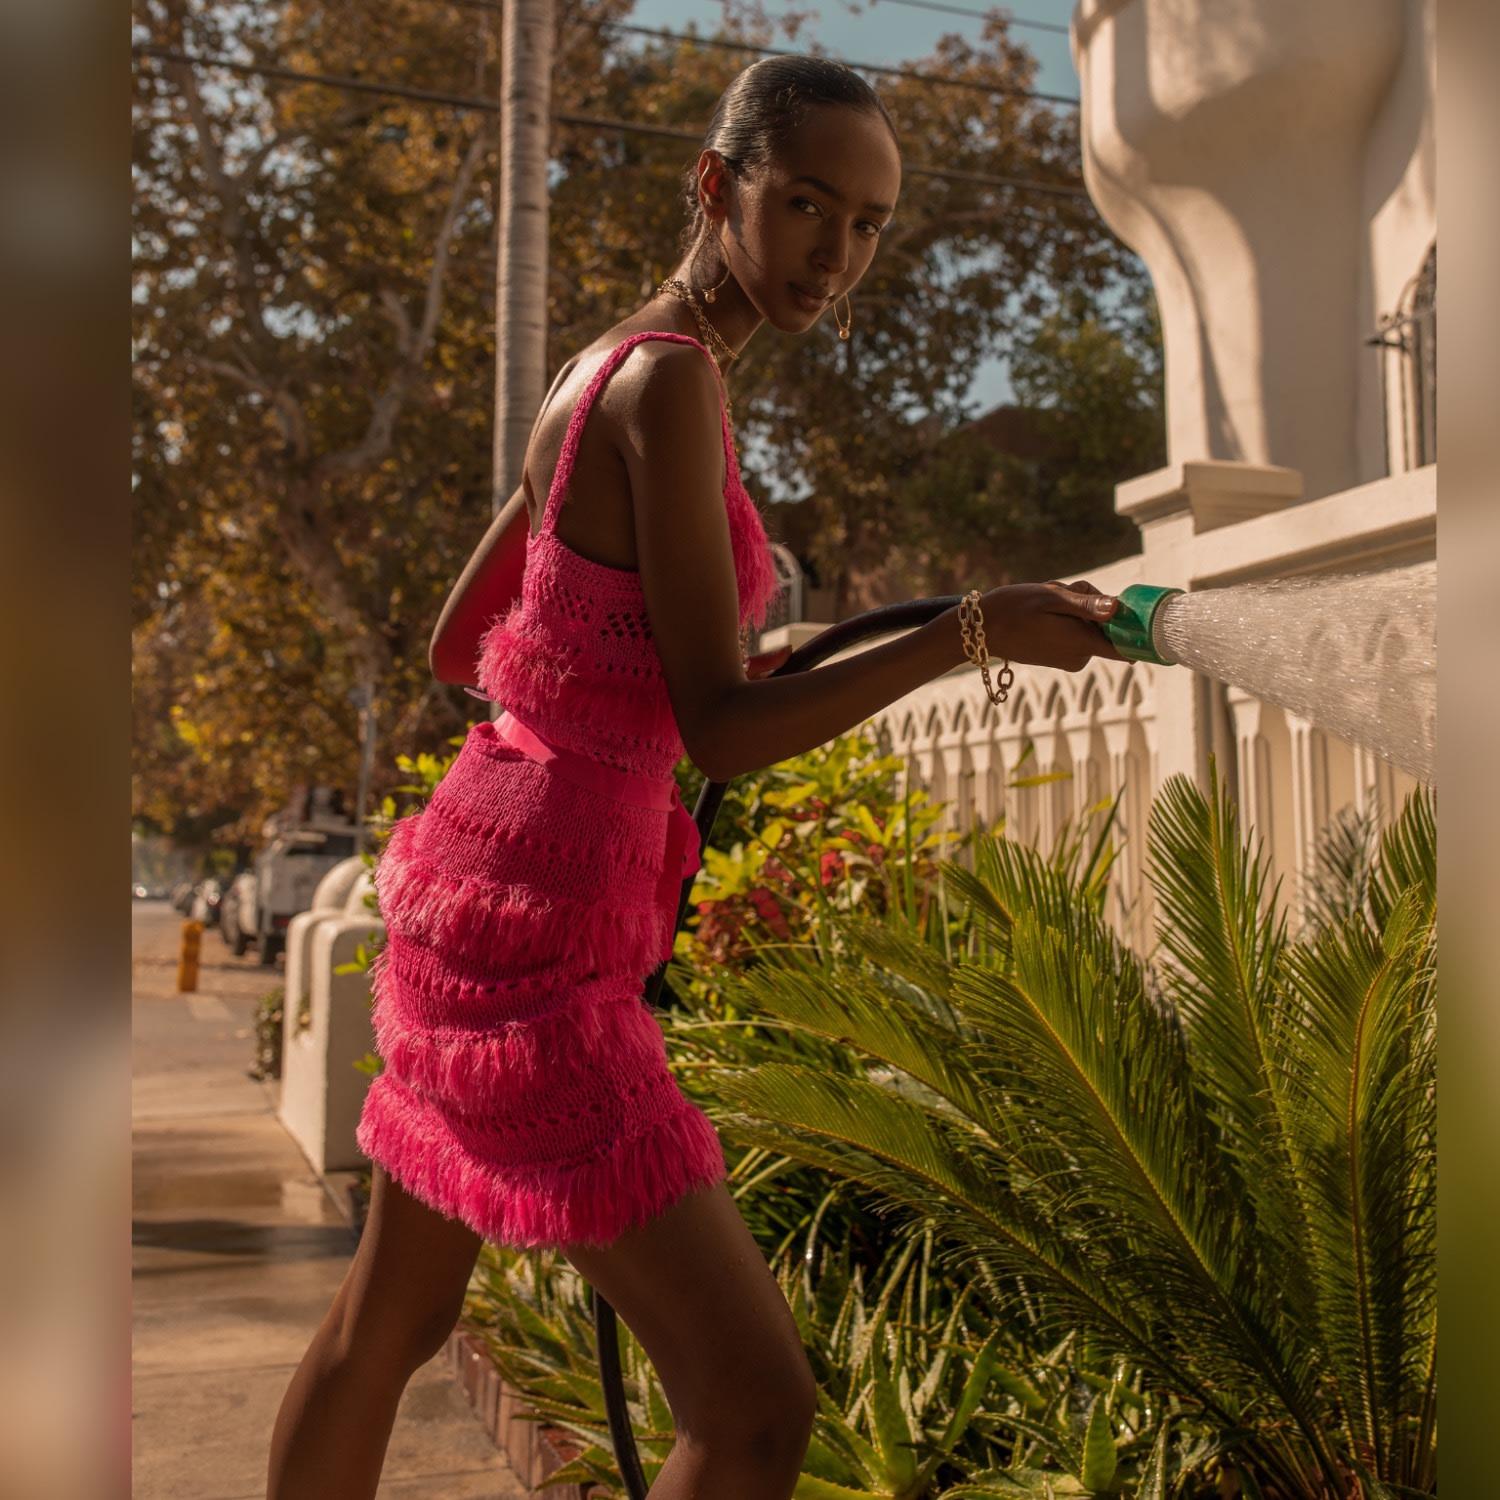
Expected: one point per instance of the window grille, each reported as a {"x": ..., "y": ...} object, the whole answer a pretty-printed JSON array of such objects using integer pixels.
[{"x": 1410, "y": 335}]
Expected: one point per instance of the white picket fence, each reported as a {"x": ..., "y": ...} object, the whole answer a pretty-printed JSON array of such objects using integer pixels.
[{"x": 1131, "y": 725}]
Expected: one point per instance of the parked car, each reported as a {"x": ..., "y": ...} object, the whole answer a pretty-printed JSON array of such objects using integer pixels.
[
  {"x": 182, "y": 896},
  {"x": 207, "y": 896},
  {"x": 237, "y": 920},
  {"x": 287, "y": 873}
]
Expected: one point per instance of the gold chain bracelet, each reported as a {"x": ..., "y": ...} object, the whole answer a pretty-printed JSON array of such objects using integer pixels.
[{"x": 971, "y": 622}]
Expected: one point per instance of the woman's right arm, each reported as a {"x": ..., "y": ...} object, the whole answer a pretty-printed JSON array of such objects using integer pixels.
[
  {"x": 730, "y": 724},
  {"x": 491, "y": 577},
  {"x": 490, "y": 581}
]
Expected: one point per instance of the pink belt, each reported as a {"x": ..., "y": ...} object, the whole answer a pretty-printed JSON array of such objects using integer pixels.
[{"x": 682, "y": 855}]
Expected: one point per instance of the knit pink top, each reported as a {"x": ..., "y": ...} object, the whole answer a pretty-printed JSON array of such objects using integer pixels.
[{"x": 525, "y": 1088}]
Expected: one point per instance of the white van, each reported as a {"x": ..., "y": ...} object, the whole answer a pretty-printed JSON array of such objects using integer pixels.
[{"x": 287, "y": 872}]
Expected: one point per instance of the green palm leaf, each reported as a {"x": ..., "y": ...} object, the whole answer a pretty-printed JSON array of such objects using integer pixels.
[
  {"x": 1339, "y": 881},
  {"x": 1109, "y": 1073},
  {"x": 1224, "y": 940},
  {"x": 1225, "y": 951},
  {"x": 1408, "y": 856},
  {"x": 908, "y": 1153},
  {"x": 1365, "y": 1124}
]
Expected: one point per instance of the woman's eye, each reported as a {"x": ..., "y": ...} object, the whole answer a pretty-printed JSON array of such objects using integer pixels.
[{"x": 871, "y": 229}]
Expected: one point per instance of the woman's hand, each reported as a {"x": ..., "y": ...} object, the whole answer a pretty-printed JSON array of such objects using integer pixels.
[{"x": 1048, "y": 624}]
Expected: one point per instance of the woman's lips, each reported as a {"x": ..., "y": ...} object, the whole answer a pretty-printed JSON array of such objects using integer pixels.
[{"x": 806, "y": 300}]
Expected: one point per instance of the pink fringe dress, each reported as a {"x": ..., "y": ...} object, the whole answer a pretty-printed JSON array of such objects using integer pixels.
[{"x": 525, "y": 1088}]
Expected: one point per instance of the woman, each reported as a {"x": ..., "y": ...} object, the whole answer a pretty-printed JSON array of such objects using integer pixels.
[{"x": 526, "y": 1095}]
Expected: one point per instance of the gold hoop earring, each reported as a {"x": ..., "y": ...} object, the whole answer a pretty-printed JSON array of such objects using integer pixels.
[
  {"x": 847, "y": 322},
  {"x": 711, "y": 293}
]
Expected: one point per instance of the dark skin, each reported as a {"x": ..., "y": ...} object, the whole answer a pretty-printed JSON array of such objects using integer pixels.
[
  {"x": 691, "y": 1284},
  {"x": 647, "y": 490}
]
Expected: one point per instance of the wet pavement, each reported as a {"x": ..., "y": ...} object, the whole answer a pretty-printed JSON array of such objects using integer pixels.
[{"x": 239, "y": 1249}]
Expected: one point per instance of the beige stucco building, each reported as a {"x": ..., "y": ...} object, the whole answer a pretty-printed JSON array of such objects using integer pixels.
[{"x": 1273, "y": 164}]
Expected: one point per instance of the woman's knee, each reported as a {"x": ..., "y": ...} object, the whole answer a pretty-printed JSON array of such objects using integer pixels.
[
  {"x": 767, "y": 1438},
  {"x": 695, "y": 1289},
  {"x": 764, "y": 1411},
  {"x": 405, "y": 1290},
  {"x": 395, "y": 1333}
]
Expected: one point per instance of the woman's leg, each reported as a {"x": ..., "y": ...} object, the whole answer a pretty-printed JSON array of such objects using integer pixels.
[
  {"x": 695, "y": 1289},
  {"x": 403, "y": 1293}
]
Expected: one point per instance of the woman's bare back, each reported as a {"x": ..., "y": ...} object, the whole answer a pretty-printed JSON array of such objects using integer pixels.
[{"x": 597, "y": 518}]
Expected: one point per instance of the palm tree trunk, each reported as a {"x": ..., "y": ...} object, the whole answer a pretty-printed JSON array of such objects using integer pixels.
[{"x": 521, "y": 302}]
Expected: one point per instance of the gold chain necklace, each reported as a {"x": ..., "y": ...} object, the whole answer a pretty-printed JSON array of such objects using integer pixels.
[
  {"x": 721, "y": 354},
  {"x": 720, "y": 350}
]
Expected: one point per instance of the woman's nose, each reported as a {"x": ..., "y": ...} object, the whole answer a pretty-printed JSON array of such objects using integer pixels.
[{"x": 833, "y": 253}]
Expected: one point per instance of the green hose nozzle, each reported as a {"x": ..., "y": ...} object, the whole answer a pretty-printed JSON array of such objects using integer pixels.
[{"x": 1130, "y": 627}]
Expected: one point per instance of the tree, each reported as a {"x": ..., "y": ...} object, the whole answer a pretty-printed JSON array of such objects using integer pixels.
[
  {"x": 314, "y": 343},
  {"x": 312, "y": 275},
  {"x": 1095, "y": 381}
]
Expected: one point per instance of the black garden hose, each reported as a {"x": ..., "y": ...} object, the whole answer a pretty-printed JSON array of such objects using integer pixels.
[{"x": 888, "y": 619}]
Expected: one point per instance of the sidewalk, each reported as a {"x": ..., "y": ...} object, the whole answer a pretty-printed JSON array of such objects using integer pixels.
[{"x": 238, "y": 1250}]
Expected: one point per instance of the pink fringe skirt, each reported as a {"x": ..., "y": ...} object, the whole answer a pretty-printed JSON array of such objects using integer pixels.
[{"x": 525, "y": 1090}]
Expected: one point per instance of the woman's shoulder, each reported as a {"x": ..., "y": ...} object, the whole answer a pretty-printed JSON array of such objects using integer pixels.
[
  {"x": 652, "y": 347},
  {"x": 660, "y": 379}
]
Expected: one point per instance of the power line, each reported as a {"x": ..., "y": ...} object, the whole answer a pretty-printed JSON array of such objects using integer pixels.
[
  {"x": 592, "y": 122},
  {"x": 863, "y": 67},
  {"x": 296, "y": 75},
  {"x": 978, "y": 15},
  {"x": 724, "y": 45},
  {"x": 982, "y": 15}
]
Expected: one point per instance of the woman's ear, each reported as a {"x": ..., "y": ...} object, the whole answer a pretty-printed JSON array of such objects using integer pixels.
[{"x": 713, "y": 177}]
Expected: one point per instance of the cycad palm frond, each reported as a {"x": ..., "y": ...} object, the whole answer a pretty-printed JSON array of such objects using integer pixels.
[
  {"x": 889, "y": 946},
  {"x": 859, "y": 1007},
  {"x": 1225, "y": 949},
  {"x": 911, "y": 1155},
  {"x": 1225, "y": 952},
  {"x": 1360, "y": 1067},
  {"x": 1408, "y": 856},
  {"x": 1339, "y": 881},
  {"x": 1108, "y": 1072},
  {"x": 1011, "y": 878}
]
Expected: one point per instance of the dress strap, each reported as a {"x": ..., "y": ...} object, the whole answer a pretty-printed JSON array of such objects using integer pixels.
[{"x": 563, "y": 474}]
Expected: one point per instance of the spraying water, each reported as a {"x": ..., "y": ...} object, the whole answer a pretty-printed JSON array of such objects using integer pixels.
[{"x": 1355, "y": 653}]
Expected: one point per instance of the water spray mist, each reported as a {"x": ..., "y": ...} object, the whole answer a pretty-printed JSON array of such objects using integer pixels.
[{"x": 1354, "y": 653}]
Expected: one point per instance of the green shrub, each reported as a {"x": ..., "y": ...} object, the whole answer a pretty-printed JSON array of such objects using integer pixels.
[
  {"x": 269, "y": 1019},
  {"x": 1218, "y": 1165}
]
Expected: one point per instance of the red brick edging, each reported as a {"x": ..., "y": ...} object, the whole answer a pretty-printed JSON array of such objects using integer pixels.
[{"x": 536, "y": 1450}]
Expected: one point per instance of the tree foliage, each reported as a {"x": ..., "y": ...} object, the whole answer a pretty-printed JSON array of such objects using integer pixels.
[{"x": 314, "y": 348}]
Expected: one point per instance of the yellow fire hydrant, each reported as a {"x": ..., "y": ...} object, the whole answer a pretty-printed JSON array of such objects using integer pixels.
[{"x": 187, "y": 959}]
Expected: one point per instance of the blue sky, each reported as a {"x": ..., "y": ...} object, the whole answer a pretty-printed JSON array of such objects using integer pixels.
[{"x": 894, "y": 34}]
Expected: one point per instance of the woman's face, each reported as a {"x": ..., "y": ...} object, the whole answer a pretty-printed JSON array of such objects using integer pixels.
[{"x": 810, "y": 221}]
